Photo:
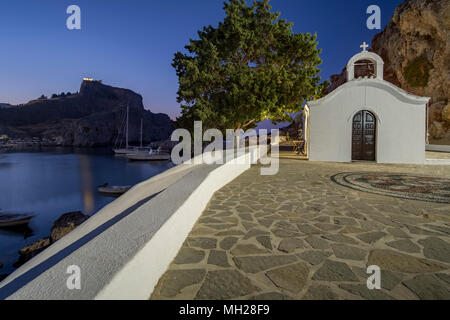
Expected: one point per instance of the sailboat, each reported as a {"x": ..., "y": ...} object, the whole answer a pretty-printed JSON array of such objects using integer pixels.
[
  {"x": 148, "y": 154},
  {"x": 130, "y": 149}
]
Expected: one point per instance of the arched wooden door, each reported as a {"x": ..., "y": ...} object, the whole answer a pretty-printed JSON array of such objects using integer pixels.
[{"x": 364, "y": 136}]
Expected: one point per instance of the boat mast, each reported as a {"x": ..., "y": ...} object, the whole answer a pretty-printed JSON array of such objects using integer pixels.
[
  {"x": 127, "y": 127},
  {"x": 141, "y": 129}
]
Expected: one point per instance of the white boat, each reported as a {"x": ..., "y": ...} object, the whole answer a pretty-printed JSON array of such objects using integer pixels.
[
  {"x": 14, "y": 219},
  {"x": 158, "y": 155}
]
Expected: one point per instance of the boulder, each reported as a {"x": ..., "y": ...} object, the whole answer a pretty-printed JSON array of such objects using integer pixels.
[
  {"x": 31, "y": 250},
  {"x": 34, "y": 247},
  {"x": 66, "y": 223}
]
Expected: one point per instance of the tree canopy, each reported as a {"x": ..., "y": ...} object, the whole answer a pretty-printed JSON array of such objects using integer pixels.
[{"x": 249, "y": 68}]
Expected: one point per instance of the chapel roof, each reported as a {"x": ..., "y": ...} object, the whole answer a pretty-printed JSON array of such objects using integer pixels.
[{"x": 376, "y": 81}]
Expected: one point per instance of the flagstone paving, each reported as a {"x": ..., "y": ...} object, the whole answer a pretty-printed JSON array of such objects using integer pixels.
[{"x": 298, "y": 235}]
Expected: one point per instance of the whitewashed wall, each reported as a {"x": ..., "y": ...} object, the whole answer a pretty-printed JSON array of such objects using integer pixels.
[{"x": 400, "y": 122}]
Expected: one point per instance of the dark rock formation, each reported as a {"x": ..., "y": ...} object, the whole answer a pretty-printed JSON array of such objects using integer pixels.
[
  {"x": 416, "y": 48},
  {"x": 93, "y": 117},
  {"x": 28, "y": 252},
  {"x": 417, "y": 38},
  {"x": 416, "y": 52},
  {"x": 65, "y": 224}
]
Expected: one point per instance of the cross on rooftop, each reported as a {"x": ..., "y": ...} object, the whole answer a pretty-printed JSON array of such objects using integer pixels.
[{"x": 364, "y": 46}]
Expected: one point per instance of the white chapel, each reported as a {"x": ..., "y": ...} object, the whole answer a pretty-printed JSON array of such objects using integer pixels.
[{"x": 367, "y": 118}]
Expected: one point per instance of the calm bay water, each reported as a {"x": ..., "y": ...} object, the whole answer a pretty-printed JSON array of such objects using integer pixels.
[{"x": 57, "y": 181}]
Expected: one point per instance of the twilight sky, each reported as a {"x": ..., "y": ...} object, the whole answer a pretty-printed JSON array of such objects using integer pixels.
[{"x": 130, "y": 43}]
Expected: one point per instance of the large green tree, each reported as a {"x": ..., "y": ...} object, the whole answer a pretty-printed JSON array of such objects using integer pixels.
[{"x": 251, "y": 67}]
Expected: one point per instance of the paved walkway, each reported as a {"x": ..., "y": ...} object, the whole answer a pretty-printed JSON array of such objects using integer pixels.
[{"x": 298, "y": 235}]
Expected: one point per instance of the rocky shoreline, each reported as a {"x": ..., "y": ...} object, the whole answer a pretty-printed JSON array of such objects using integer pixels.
[{"x": 62, "y": 226}]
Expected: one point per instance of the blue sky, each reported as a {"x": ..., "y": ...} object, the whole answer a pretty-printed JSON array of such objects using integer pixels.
[{"x": 130, "y": 43}]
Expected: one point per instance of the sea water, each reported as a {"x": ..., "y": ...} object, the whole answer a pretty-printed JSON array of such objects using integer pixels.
[{"x": 56, "y": 181}]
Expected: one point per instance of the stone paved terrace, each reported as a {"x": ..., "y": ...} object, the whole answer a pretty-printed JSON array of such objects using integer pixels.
[{"x": 298, "y": 235}]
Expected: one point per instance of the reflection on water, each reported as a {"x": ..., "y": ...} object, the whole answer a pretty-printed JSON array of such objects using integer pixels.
[
  {"x": 24, "y": 231},
  {"x": 86, "y": 184},
  {"x": 57, "y": 181}
]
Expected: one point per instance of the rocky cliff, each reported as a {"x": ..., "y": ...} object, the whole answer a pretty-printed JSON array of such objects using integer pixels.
[
  {"x": 93, "y": 117},
  {"x": 415, "y": 49}
]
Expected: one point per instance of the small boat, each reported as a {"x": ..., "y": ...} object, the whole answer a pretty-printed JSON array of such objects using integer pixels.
[
  {"x": 14, "y": 219},
  {"x": 158, "y": 155},
  {"x": 113, "y": 191}
]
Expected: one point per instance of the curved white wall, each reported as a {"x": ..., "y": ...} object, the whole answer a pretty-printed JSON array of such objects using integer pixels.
[{"x": 123, "y": 250}]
